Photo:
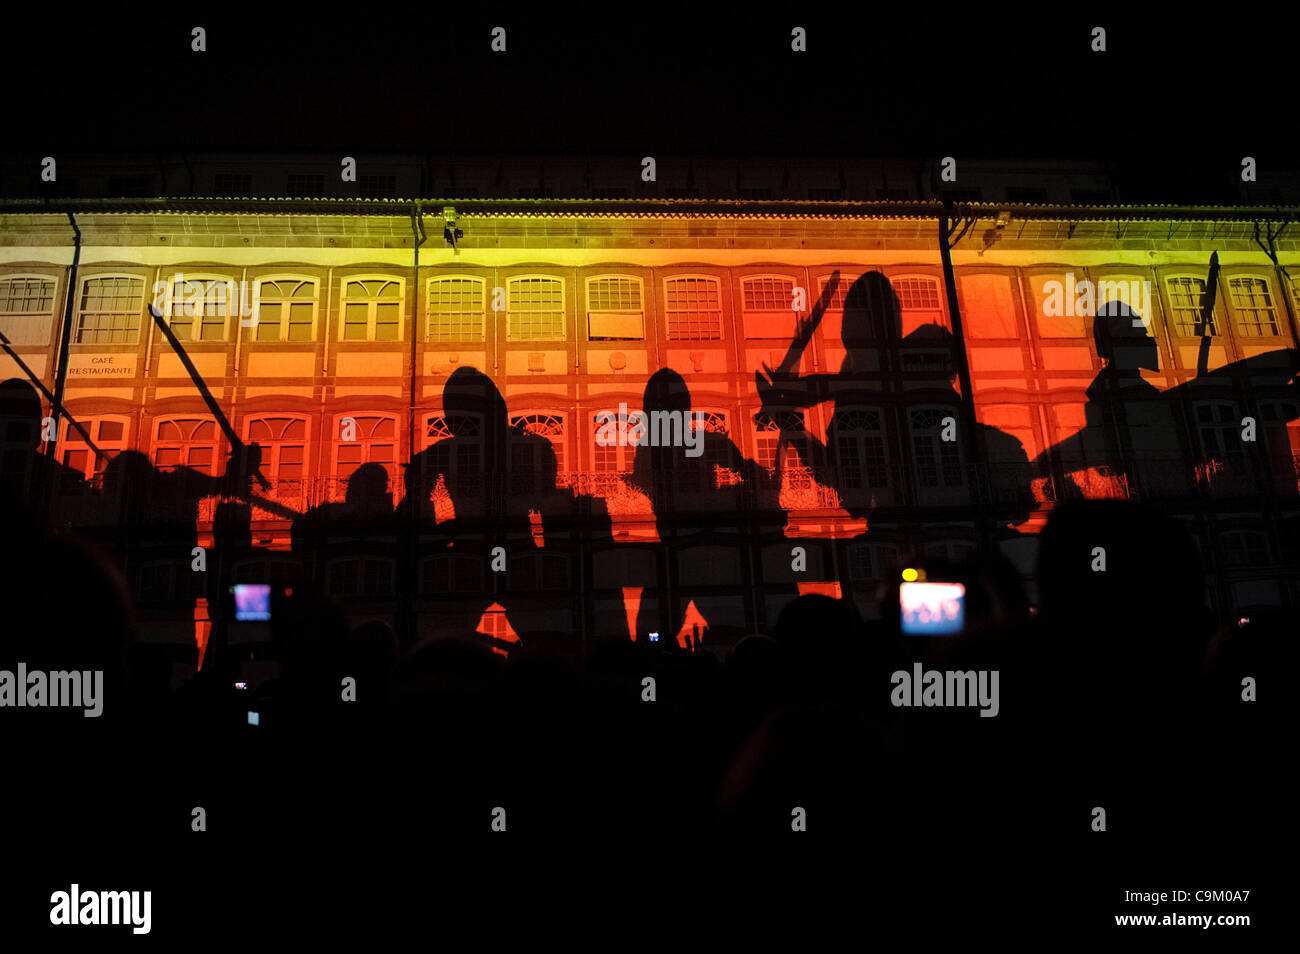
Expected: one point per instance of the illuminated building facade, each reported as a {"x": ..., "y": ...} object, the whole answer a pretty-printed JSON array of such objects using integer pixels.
[{"x": 569, "y": 307}]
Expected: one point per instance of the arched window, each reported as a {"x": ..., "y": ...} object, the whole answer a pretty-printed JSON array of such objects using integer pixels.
[
  {"x": 460, "y": 462},
  {"x": 200, "y": 307},
  {"x": 370, "y": 438},
  {"x": 286, "y": 310},
  {"x": 283, "y": 441},
  {"x": 860, "y": 448},
  {"x": 769, "y": 428},
  {"x": 371, "y": 309},
  {"x": 937, "y": 461},
  {"x": 529, "y": 466},
  {"x": 187, "y": 442}
]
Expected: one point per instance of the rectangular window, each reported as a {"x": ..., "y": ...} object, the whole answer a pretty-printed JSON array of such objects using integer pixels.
[
  {"x": 535, "y": 309},
  {"x": 1186, "y": 299},
  {"x": 614, "y": 308},
  {"x": 306, "y": 186},
  {"x": 937, "y": 462},
  {"x": 693, "y": 308},
  {"x": 768, "y": 307},
  {"x": 27, "y": 310},
  {"x": 108, "y": 435},
  {"x": 377, "y": 187},
  {"x": 286, "y": 310},
  {"x": 1253, "y": 303},
  {"x": 918, "y": 302},
  {"x": 768, "y": 434},
  {"x": 233, "y": 185},
  {"x": 110, "y": 311},
  {"x": 26, "y": 296},
  {"x": 456, "y": 309},
  {"x": 372, "y": 310}
]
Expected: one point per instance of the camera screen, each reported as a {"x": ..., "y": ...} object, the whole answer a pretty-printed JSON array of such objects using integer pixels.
[
  {"x": 252, "y": 601},
  {"x": 932, "y": 609}
]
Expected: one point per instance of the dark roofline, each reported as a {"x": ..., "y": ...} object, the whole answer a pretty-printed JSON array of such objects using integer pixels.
[{"x": 648, "y": 208}]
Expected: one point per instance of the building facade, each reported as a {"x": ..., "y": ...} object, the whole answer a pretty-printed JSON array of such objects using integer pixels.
[{"x": 854, "y": 457}]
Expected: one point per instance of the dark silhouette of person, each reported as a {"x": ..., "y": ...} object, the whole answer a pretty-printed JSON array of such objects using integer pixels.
[
  {"x": 1124, "y": 412},
  {"x": 366, "y": 510},
  {"x": 492, "y": 512},
  {"x": 28, "y": 478},
  {"x": 1140, "y": 441},
  {"x": 871, "y": 332},
  {"x": 686, "y": 488},
  {"x": 158, "y": 522},
  {"x": 1118, "y": 654}
]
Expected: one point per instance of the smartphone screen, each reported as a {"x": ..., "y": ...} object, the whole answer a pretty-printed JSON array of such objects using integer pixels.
[
  {"x": 932, "y": 609},
  {"x": 252, "y": 601}
]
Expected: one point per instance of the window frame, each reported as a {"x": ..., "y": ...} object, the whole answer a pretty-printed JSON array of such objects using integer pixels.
[
  {"x": 717, "y": 282},
  {"x": 639, "y": 313},
  {"x": 29, "y": 276},
  {"x": 429, "y": 335},
  {"x": 262, "y": 281},
  {"x": 1217, "y": 315},
  {"x": 373, "y": 308},
  {"x": 510, "y": 282},
  {"x": 83, "y": 285},
  {"x": 158, "y": 444},
  {"x": 1235, "y": 312},
  {"x": 271, "y": 465},
  {"x": 337, "y": 443},
  {"x": 92, "y": 423},
  {"x": 231, "y": 305}
]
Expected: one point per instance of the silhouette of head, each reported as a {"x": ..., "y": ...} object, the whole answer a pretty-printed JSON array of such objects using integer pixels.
[
  {"x": 1122, "y": 340},
  {"x": 666, "y": 391},
  {"x": 20, "y": 406},
  {"x": 128, "y": 470},
  {"x": 368, "y": 482},
  {"x": 470, "y": 391},
  {"x": 871, "y": 311},
  {"x": 938, "y": 338}
]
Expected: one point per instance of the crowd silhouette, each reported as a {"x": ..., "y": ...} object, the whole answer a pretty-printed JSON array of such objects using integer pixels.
[{"x": 1120, "y": 688}]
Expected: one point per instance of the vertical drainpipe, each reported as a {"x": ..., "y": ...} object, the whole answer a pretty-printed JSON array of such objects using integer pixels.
[
  {"x": 65, "y": 340},
  {"x": 973, "y": 442},
  {"x": 408, "y": 622}
]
